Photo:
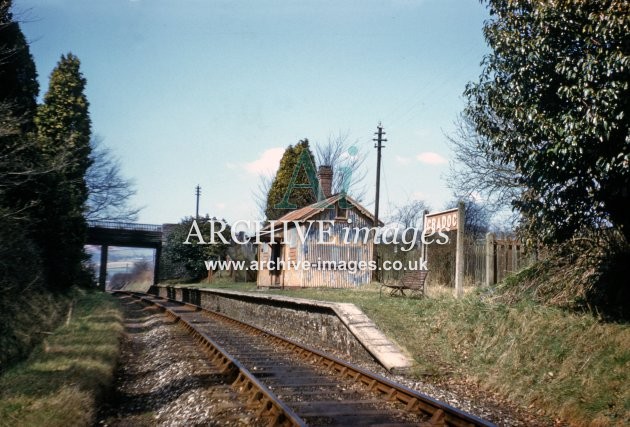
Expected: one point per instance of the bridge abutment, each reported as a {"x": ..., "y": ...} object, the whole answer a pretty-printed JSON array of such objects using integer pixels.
[{"x": 102, "y": 274}]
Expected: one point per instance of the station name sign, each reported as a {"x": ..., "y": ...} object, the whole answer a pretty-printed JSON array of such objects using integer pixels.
[{"x": 445, "y": 220}]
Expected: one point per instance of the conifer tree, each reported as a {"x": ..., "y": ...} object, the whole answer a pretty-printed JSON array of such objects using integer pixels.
[
  {"x": 299, "y": 196},
  {"x": 64, "y": 130},
  {"x": 19, "y": 162},
  {"x": 63, "y": 121},
  {"x": 18, "y": 103},
  {"x": 18, "y": 77}
]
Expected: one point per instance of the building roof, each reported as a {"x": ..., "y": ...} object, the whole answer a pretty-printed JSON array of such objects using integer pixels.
[{"x": 310, "y": 211}]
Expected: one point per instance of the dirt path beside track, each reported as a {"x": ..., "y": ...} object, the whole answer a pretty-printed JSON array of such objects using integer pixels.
[{"x": 164, "y": 378}]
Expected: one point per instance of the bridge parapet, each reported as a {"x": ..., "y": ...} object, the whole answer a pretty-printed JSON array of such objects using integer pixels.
[{"x": 132, "y": 226}]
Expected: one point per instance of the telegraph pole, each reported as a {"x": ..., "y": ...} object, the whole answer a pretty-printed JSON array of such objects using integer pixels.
[
  {"x": 378, "y": 145},
  {"x": 197, "y": 193}
]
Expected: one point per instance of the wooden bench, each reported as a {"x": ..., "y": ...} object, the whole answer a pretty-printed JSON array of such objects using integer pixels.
[{"x": 412, "y": 281}]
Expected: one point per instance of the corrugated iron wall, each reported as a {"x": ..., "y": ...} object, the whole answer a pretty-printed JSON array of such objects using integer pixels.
[
  {"x": 337, "y": 250},
  {"x": 507, "y": 257}
]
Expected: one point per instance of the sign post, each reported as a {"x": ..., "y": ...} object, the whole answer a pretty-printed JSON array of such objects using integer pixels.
[
  {"x": 452, "y": 219},
  {"x": 490, "y": 278},
  {"x": 459, "y": 254}
]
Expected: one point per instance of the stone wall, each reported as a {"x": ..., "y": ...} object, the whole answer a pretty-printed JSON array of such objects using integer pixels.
[{"x": 308, "y": 322}]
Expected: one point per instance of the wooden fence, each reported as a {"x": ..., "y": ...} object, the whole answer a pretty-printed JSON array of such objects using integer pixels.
[
  {"x": 486, "y": 261},
  {"x": 503, "y": 257}
]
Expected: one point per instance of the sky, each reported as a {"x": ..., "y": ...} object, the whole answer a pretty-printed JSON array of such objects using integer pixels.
[{"x": 210, "y": 93}]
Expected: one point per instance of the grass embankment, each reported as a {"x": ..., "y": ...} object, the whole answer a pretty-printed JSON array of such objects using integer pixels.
[
  {"x": 26, "y": 317},
  {"x": 567, "y": 365},
  {"x": 63, "y": 379}
]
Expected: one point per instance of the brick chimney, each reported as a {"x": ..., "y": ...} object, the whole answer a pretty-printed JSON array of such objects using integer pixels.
[{"x": 325, "y": 176}]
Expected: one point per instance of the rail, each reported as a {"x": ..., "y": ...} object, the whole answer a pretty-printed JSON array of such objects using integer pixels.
[{"x": 253, "y": 380}]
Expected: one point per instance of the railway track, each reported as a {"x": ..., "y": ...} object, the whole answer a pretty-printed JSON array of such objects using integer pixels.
[{"x": 291, "y": 384}]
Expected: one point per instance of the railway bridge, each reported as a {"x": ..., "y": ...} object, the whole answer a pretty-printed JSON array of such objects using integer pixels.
[{"x": 126, "y": 234}]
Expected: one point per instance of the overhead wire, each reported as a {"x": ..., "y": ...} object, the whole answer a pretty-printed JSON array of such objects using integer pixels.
[
  {"x": 417, "y": 98},
  {"x": 461, "y": 65},
  {"x": 410, "y": 104},
  {"x": 385, "y": 181}
]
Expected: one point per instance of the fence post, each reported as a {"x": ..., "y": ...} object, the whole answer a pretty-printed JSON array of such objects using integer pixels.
[
  {"x": 490, "y": 279},
  {"x": 459, "y": 254}
]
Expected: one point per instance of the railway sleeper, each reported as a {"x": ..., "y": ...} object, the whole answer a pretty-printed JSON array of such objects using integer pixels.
[{"x": 440, "y": 414}]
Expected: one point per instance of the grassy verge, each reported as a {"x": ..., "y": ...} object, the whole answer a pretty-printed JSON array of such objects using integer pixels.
[
  {"x": 227, "y": 284},
  {"x": 26, "y": 317},
  {"x": 567, "y": 365},
  {"x": 61, "y": 382}
]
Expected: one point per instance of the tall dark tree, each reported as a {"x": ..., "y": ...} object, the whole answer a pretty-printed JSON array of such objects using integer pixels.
[
  {"x": 63, "y": 120},
  {"x": 299, "y": 196},
  {"x": 554, "y": 101},
  {"x": 18, "y": 76},
  {"x": 19, "y": 161},
  {"x": 64, "y": 128}
]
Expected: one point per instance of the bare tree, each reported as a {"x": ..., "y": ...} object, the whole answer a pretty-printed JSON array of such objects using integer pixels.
[
  {"x": 477, "y": 215},
  {"x": 109, "y": 193},
  {"x": 410, "y": 214},
  {"x": 346, "y": 161},
  {"x": 477, "y": 172},
  {"x": 260, "y": 194}
]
